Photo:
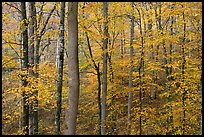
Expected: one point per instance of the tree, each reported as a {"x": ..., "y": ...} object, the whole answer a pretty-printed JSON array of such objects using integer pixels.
[
  {"x": 39, "y": 35},
  {"x": 32, "y": 28},
  {"x": 141, "y": 69},
  {"x": 161, "y": 76},
  {"x": 104, "y": 73},
  {"x": 25, "y": 70},
  {"x": 60, "y": 69},
  {"x": 73, "y": 71},
  {"x": 131, "y": 70}
]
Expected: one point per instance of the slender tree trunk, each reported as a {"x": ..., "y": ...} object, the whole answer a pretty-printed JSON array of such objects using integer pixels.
[
  {"x": 141, "y": 71},
  {"x": 111, "y": 79},
  {"x": 20, "y": 81},
  {"x": 32, "y": 27},
  {"x": 124, "y": 42},
  {"x": 131, "y": 70},
  {"x": 31, "y": 59},
  {"x": 97, "y": 68},
  {"x": 73, "y": 65},
  {"x": 57, "y": 54},
  {"x": 35, "y": 62},
  {"x": 39, "y": 34},
  {"x": 113, "y": 99},
  {"x": 35, "y": 103},
  {"x": 170, "y": 118},
  {"x": 104, "y": 74},
  {"x": 25, "y": 70},
  {"x": 60, "y": 70},
  {"x": 99, "y": 96}
]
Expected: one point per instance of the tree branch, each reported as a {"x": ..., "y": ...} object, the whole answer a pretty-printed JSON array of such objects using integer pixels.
[
  {"x": 44, "y": 47},
  {"x": 40, "y": 16},
  {"x": 13, "y": 7},
  {"x": 14, "y": 50},
  {"x": 46, "y": 22}
]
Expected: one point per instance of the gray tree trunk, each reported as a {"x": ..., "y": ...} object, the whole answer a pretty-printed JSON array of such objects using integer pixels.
[
  {"x": 20, "y": 81},
  {"x": 31, "y": 58},
  {"x": 73, "y": 65},
  {"x": 57, "y": 54},
  {"x": 104, "y": 73},
  {"x": 25, "y": 102},
  {"x": 60, "y": 69},
  {"x": 141, "y": 70},
  {"x": 131, "y": 70}
]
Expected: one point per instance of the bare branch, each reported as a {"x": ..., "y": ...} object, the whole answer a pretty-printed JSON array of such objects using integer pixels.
[
  {"x": 46, "y": 22},
  {"x": 40, "y": 16},
  {"x": 7, "y": 3},
  {"x": 12, "y": 43},
  {"x": 14, "y": 50},
  {"x": 44, "y": 48}
]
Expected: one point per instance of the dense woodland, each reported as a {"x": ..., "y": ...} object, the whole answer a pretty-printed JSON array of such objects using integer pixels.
[{"x": 102, "y": 68}]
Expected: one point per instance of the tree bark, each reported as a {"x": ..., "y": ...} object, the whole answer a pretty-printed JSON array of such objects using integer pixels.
[
  {"x": 35, "y": 94},
  {"x": 131, "y": 71},
  {"x": 73, "y": 65},
  {"x": 104, "y": 74},
  {"x": 60, "y": 69},
  {"x": 25, "y": 70},
  {"x": 141, "y": 71},
  {"x": 32, "y": 27},
  {"x": 99, "y": 96},
  {"x": 20, "y": 81}
]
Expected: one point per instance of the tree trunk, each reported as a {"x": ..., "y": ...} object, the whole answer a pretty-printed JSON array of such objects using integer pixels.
[
  {"x": 104, "y": 74},
  {"x": 97, "y": 69},
  {"x": 25, "y": 70},
  {"x": 99, "y": 96},
  {"x": 57, "y": 54},
  {"x": 170, "y": 118},
  {"x": 20, "y": 81},
  {"x": 141, "y": 71},
  {"x": 34, "y": 109},
  {"x": 31, "y": 59},
  {"x": 39, "y": 34},
  {"x": 131, "y": 70},
  {"x": 60, "y": 69},
  {"x": 73, "y": 65}
]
